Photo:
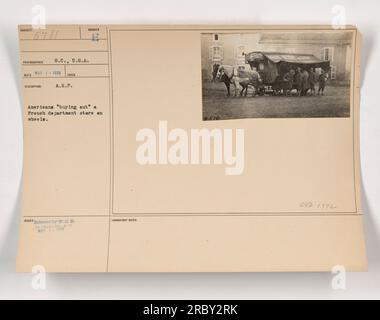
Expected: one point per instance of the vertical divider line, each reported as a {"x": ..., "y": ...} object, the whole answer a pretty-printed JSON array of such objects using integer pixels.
[
  {"x": 354, "y": 110},
  {"x": 110, "y": 90}
]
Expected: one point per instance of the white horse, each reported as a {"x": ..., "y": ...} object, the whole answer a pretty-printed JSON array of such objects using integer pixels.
[{"x": 238, "y": 78}]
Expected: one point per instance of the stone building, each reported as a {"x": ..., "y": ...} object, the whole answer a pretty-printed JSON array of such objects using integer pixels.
[{"x": 335, "y": 46}]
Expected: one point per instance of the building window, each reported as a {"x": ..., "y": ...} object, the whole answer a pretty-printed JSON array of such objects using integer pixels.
[
  {"x": 240, "y": 55},
  {"x": 216, "y": 37},
  {"x": 333, "y": 72},
  {"x": 327, "y": 54},
  {"x": 216, "y": 53}
]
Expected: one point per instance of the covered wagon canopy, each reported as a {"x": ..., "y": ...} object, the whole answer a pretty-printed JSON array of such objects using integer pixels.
[
  {"x": 292, "y": 58},
  {"x": 278, "y": 63}
]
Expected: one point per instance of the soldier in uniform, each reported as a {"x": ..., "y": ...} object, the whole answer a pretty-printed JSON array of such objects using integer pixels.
[
  {"x": 288, "y": 82},
  {"x": 298, "y": 81},
  {"x": 305, "y": 83},
  {"x": 312, "y": 81},
  {"x": 322, "y": 82},
  {"x": 215, "y": 69}
]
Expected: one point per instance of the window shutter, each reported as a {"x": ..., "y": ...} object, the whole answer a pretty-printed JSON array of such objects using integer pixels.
[{"x": 331, "y": 54}]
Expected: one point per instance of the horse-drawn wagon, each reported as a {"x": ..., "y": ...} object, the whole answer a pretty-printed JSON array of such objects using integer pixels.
[{"x": 273, "y": 67}]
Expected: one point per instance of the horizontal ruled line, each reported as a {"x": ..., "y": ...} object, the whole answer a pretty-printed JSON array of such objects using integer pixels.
[
  {"x": 64, "y": 51},
  {"x": 64, "y": 64},
  {"x": 240, "y": 214},
  {"x": 89, "y": 39},
  {"x": 200, "y": 215},
  {"x": 68, "y": 77}
]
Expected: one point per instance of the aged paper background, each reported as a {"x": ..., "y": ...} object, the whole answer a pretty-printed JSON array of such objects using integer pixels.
[{"x": 88, "y": 206}]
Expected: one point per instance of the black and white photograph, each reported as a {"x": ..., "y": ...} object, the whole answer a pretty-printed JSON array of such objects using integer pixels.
[
  {"x": 189, "y": 160},
  {"x": 293, "y": 74}
]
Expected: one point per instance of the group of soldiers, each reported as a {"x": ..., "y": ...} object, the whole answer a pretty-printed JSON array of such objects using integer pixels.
[{"x": 303, "y": 81}]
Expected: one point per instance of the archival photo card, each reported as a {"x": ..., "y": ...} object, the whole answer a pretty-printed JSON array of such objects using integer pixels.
[
  {"x": 292, "y": 74},
  {"x": 122, "y": 172}
]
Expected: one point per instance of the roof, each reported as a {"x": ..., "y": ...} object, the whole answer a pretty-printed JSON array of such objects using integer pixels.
[
  {"x": 284, "y": 57},
  {"x": 334, "y": 38}
]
